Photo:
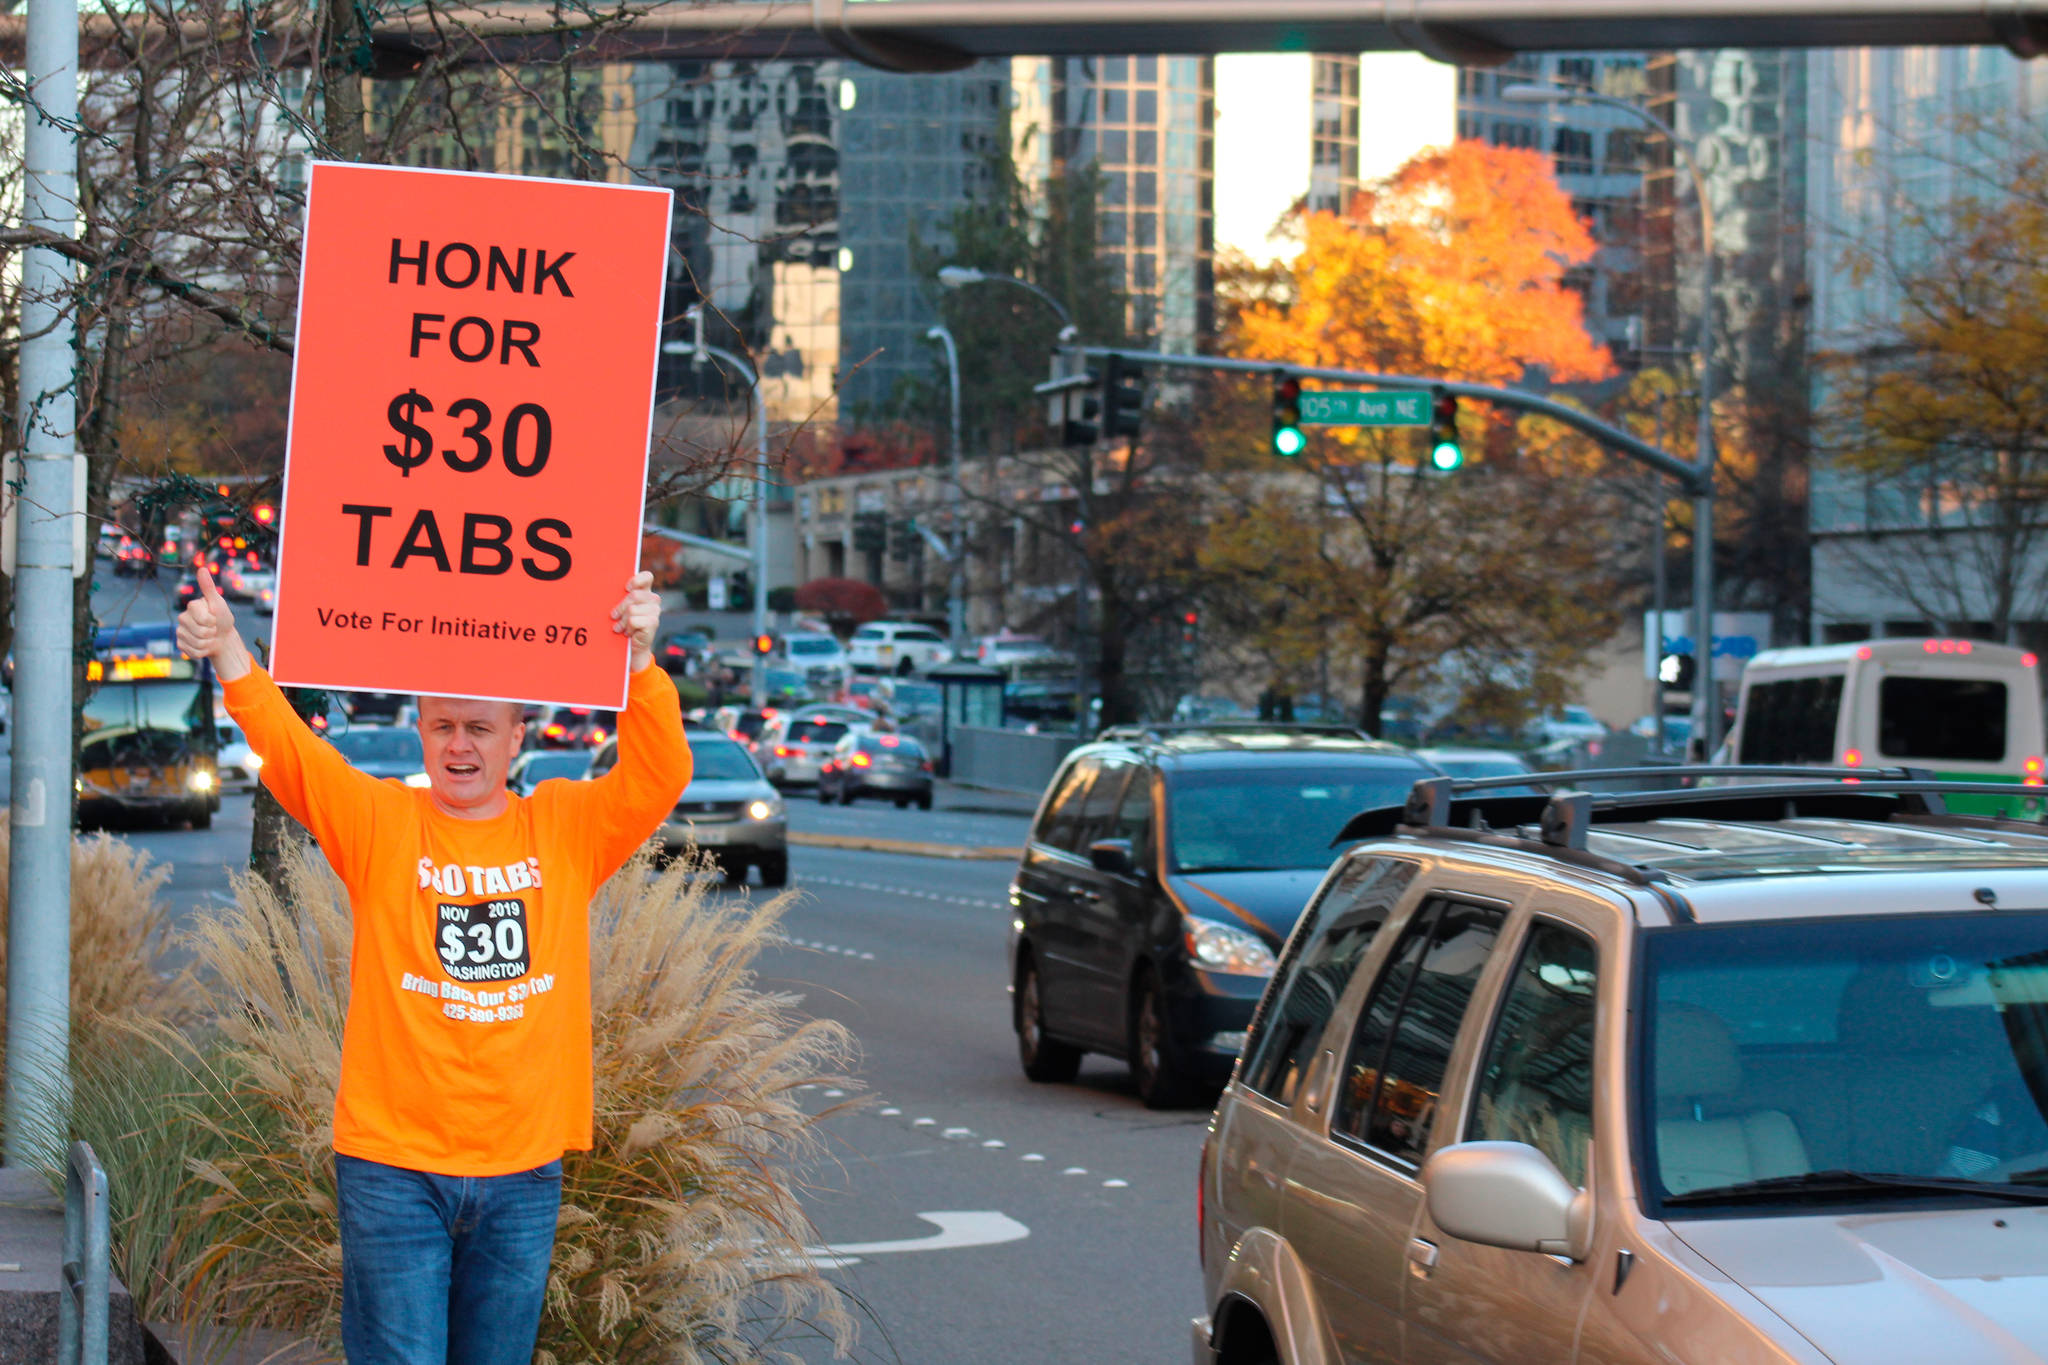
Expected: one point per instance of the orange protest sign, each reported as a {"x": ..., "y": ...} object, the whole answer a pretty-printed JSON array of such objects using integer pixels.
[{"x": 472, "y": 398}]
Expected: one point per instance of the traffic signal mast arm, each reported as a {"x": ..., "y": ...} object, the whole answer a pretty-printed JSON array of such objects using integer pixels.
[{"x": 1694, "y": 478}]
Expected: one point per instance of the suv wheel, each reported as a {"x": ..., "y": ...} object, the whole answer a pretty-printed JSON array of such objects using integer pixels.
[
  {"x": 1045, "y": 1061},
  {"x": 907, "y": 667},
  {"x": 774, "y": 869},
  {"x": 1156, "y": 1068}
]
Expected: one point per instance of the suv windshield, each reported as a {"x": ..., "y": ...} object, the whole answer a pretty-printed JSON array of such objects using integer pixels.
[
  {"x": 379, "y": 746},
  {"x": 1792, "y": 1061},
  {"x": 1273, "y": 816}
]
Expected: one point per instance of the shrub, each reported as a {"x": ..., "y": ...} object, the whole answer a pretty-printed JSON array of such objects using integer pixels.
[{"x": 681, "y": 1235}]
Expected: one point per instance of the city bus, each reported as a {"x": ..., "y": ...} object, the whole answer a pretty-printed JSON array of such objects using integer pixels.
[{"x": 149, "y": 751}]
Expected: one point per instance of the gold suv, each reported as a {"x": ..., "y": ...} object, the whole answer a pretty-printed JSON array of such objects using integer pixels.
[{"x": 1748, "y": 1072}]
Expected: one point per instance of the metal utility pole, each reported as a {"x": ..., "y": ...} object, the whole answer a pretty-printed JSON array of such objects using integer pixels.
[
  {"x": 39, "y": 818},
  {"x": 956, "y": 564},
  {"x": 757, "y": 525}
]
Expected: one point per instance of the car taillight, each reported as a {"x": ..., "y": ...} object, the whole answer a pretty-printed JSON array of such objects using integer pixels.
[
  {"x": 926, "y": 765},
  {"x": 863, "y": 761},
  {"x": 554, "y": 732},
  {"x": 782, "y": 751},
  {"x": 2033, "y": 770},
  {"x": 596, "y": 735},
  {"x": 1852, "y": 758}
]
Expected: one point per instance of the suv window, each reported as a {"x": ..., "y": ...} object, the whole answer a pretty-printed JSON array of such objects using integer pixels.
[
  {"x": 923, "y": 637},
  {"x": 1057, "y": 827},
  {"x": 1134, "y": 817},
  {"x": 1310, "y": 981},
  {"x": 1403, "y": 1041},
  {"x": 1536, "y": 1084},
  {"x": 870, "y": 633},
  {"x": 1098, "y": 812},
  {"x": 1952, "y": 718}
]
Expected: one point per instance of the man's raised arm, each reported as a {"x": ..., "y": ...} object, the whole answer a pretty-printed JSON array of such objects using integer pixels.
[{"x": 309, "y": 777}]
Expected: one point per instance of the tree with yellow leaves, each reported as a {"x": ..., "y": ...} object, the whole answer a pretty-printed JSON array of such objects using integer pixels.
[{"x": 1495, "y": 580}]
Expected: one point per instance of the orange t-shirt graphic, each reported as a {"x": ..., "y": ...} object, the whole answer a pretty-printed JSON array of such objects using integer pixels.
[{"x": 468, "y": 1048}]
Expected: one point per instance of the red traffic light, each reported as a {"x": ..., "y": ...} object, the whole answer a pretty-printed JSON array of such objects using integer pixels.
[
  {"x": 1193, "y": 618},
  {"x": 764, "y": 644}
]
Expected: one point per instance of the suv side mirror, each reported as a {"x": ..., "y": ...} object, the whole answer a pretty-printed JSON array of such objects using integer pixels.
[
  {"x": 1113, "y": 856},
  {"x": 1508, "y": 1194}
]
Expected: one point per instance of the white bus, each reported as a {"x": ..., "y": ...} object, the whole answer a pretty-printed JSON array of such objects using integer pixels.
[{"x": 1968, "y": 710}]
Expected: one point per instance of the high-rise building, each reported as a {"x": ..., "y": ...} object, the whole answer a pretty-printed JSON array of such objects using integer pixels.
[
  {"x": 1147, "y": 126},
  {"x": 799, "y": 187},
  {"x": 1597, "y": 152}
]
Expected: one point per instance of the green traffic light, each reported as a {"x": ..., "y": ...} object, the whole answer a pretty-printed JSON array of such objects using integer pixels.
[
  {"x": 1289, "y": 441},
  {"x": 1446, "y": 456}
]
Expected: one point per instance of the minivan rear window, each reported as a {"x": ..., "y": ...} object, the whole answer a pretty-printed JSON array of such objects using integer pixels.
[
  {"x": 1792, "y": 721},
  {"x": 1941, "y": 718}
]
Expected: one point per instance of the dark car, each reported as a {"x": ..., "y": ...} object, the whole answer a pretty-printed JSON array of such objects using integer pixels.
[
  {"x": 573, "y": 727},
  {"x": 1162, "y": 875},
  {"x": 132, "y": 556},
  {"x": 677, "y": 649},
  {"x": 867, "y": 764}
]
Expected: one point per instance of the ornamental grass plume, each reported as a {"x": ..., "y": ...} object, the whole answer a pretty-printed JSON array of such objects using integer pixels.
[{"x": 681, "y": 1237}]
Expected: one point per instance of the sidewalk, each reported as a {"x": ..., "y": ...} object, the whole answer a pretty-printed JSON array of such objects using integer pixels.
[{"x": 947, "y": 798}]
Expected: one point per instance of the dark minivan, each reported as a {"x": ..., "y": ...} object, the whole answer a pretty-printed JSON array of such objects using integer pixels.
[{"x": 1163, "y": 872}]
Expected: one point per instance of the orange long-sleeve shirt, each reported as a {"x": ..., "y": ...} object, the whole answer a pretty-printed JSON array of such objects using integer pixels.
[{"x": 468, "y": 1049}]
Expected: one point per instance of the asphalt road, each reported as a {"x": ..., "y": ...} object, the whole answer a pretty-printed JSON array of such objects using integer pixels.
[{"x": 1097, "y": 1191}]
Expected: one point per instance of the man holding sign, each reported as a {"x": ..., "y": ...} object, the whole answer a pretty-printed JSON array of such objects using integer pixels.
[{"x": 466, "y": 1059}]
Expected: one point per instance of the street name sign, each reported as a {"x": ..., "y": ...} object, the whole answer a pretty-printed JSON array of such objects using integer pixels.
[
  {"x": 466, "y": 466},
  {"x": 1368, "y": 408}
]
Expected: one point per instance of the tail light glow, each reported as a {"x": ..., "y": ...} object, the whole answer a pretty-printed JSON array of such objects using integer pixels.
[
  {"x": 782, "y": 751},
  {"x": 2033, "y": 773},
  {"x": 863, "y": 761},
  {"x": 1852, "y": 758},
  {"x": 1863, "y": 653}
]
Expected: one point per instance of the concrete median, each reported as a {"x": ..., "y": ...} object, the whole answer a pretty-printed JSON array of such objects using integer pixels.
[{"x": 912, "y": 848}]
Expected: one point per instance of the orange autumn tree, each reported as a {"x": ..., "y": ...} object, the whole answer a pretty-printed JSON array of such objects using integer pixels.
[{"x": 1351, "y": 562}]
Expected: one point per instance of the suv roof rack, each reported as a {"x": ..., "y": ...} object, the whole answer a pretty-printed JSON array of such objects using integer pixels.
[
  {"x": 1457, "y": 808},
  {"x": 1169, "y": 729}
]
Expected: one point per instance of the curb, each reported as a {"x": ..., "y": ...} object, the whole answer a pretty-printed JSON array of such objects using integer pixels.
[{"x": 909, "y": 847}]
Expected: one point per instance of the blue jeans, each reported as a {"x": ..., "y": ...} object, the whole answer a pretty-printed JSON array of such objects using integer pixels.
[{"x": 443, "y": 1269}]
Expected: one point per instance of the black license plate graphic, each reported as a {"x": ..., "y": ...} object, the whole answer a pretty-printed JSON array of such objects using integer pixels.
[{"x": 483, "y": 942}]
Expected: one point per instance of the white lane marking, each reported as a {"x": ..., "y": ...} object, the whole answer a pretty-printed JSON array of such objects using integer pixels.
[
  {"x": 1075, "y": 1170},
  {"x": 1031, "y": 1156},
  {"x": 890, "y": 1113},
  {"x": 1116, "y": 1184},
  {"x": 923, "y": 1123},
  {"x": 957, "y": 1134},
  {"x": 911, "y": 891},
  {"x": 994, "y": 1142},
  {"x": 956, "y": 1229},
  {"x": 835, "y": 1094}
]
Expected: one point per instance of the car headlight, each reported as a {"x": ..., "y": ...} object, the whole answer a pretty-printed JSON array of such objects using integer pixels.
[
  {"x": 419, "y": 780},
  {"x": 763, "y": 810},
  {"x": 200, "y": 780},
  {"x": 1226, "y": 948},
  {"x": 253, "y": 761}
]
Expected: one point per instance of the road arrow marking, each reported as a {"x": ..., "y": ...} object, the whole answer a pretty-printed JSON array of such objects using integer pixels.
[{"x": 956, "y": 1229}]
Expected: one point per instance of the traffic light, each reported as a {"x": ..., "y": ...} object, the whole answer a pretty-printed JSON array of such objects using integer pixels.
[
  {"x": 1445, "y": 454},
  {"x": 1082, "y": 430},
  {"x": 1287, "y": 440},
  {"x": 870, "y": 533},
  {"x": 903, "y": 540},
  {"x": 764, "y": 645},
  {"x": 1190, "y": 625},
  {"x": 1123, "y": 401}
]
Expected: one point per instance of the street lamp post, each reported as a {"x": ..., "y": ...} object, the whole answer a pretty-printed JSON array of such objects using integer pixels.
[
  {"x": 757, "y": 526},
  {"x": 958, "y": 276},
  {"x": 1706, "y": 710},
  {"x": 956, "y": 569}
]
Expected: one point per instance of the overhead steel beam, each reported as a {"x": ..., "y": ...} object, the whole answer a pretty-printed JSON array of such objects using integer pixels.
[
  {"x": 937, "y": 35},
  {"x": 944, "y": 35}
]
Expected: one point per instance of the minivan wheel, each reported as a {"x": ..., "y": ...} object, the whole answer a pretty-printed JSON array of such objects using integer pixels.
[
  {"x": 1045, "y": 1061},
  {"x": 1156, "y": 1068}
]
